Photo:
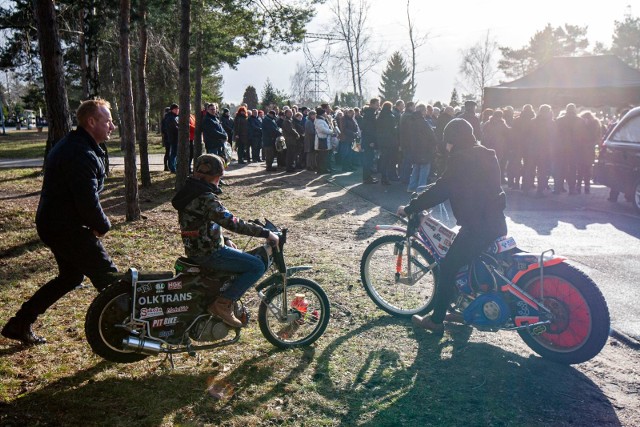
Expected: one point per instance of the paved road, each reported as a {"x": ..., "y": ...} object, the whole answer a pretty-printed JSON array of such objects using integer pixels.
[
  {"x": 601, "y": 237},
  {"x": 116, "y": 162}
]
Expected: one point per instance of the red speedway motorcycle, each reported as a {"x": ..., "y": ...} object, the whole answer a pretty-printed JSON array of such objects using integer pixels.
[
  {"x": 166, "y": 312},
  {"x": 556, "y": 309}
]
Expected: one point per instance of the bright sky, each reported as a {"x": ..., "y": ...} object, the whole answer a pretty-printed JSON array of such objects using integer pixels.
[{"x": 452, "y": 27}]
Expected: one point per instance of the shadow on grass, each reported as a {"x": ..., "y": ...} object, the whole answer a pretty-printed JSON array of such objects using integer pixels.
[
  {"x": 84, "y": 400},
  {"x": 453, "y": 381},
  {"x": 35, "y": 174},
  {"x": 20, "y": 249}
]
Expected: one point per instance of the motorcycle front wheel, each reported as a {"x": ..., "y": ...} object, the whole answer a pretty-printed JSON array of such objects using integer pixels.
[
  {"x": 580, "y": 321},
  {"x": 297, "y": 333},
  {"x": 112, "y": 307},
  {"x": 383, "y": 270}
]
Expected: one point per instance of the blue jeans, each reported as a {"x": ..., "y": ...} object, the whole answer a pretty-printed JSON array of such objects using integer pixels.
[
  {"x": 419, "y": 176},
  {"x": 249, "y": 268},
  {"x": 173, "y": 153}
]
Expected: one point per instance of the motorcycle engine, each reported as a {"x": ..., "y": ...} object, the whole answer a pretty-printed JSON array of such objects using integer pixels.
[
  {"x": 488, "y": 310},
  {"x": 208, "y": 329}
]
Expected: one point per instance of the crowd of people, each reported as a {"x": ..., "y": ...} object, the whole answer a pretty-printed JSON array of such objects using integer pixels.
[{"x": 401, "y": 141}]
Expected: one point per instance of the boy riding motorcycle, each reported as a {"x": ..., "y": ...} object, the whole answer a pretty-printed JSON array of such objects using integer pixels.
[{"x": 201, "y": 216}]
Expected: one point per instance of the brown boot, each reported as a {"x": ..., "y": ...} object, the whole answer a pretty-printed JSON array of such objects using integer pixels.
[
  {"x": 223, "y": 308},
  {"x": 426, "y": 323}
]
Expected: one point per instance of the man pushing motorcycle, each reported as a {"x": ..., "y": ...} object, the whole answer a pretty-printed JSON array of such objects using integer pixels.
[
  {"x": 201, "y": 216},
  {"x": 471, "y": 183}
]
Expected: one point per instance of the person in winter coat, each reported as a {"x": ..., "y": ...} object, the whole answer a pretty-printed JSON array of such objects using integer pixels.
[
  {"x": 421, "y": 148},
  {"x": 241, "y": 135},
  {"x": 324, "y": 131},
  {"x": 542, "y": 139},
  {"x": 255, "y": 135},
  {"x": 291, "y": 136},
  {"x": 471, "y": 183},
  {"x": 517, "y": 148},
  {"x": 202, "y": 217},
  {"x": 497, "y": 134},
  {"x": 585, "y": 152},
  {"x": 70, "y": 220},
  {"x": 170, "y": 122},
  {"x": 369, "y": 140},
  {"x": 310, "y": 141},
  {"x": 298, "y": 124},
  {"x": 349, "y": 132},
  {"x": 469, "y": 114},
  {"x": 387, "y": 137},
  {"x": 270, "y": 131},
  {"x": 570, "y": 130},
  {"x": 227, "y": 124},
  {"x": 404, "y": 142},
  {"x": 213, "y": 133}
]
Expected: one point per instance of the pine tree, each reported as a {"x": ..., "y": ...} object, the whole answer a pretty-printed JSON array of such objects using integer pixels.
[
  {"x": 272, "y": 97},
  {"x": 250, "y": 97},
  {"x": 396, "y": 80},
  {"x": 455, "y": 101}
]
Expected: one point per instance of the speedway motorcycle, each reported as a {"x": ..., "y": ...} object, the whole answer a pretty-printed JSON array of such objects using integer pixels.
[
  {"x": 556, "y": 309},
  {"x": 166, "y": 312}
]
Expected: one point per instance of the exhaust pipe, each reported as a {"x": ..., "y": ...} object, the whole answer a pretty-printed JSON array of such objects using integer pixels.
[{"x": 144, "y": 346}]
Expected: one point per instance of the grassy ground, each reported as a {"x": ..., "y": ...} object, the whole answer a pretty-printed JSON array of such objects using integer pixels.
[
  {"x": 368, "y": 369},
  {"x": 27, "y": 144}
]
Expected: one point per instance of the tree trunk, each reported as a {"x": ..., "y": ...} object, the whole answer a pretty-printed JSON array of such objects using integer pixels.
[
  {"x": 52, "y": 72},
  {"x": 182, "y": 170},
  {"x": 128, "y": 127},
  {"x": 142, "y": 109},
  {"x": 197, "y": 143}
]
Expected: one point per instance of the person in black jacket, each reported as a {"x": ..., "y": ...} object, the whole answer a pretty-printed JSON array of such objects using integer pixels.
[
  {"x": 213, "y": 133},
  {"x": 70, "y": 219},
  {"x": 170, "y": 123},
  {"x": 369, "y": 139},
  {"x": 270, "y": 131},
  {"x": 471, "y": 183}
]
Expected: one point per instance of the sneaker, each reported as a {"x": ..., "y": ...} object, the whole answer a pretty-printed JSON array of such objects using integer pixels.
[
  {"x": 370, "y": 181},
  {"x": 19, "y": 330}
]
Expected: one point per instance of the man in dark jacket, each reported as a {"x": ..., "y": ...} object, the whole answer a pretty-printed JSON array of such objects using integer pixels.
[
  {"x": 469, "y": 114},
  {"x": 291, "y": 136},
  {"x": 255, "y": 135},
  {"x": 369, "y": 139},
  {"x": 471, "y": 183},
  {"x": 421, "y": 148},
  {"x": 202, "y": 217},
  {"x": 213, "y": 133},
  {"x": 70, "y": 219},
  {"x": 270, "y": 131},
  {"x": 171, "y": 127},
  {"x": 227, "y": 123}
]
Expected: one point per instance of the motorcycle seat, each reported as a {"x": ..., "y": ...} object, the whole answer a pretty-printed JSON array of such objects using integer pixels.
[
  {"x": 151, "y": 275},
  {"x": 190, "y": 266}
]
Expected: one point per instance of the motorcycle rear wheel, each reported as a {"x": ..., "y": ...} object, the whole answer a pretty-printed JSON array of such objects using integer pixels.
[
  {"x": 378, "y": 268},
  {"x": 580, "y": 325},
  {"x": 110, "y": 308},
  {"x": 308, "y": 328}
]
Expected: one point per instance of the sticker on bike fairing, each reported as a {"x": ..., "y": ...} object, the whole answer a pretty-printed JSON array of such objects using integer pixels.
[{"x": 502, "y": 244}]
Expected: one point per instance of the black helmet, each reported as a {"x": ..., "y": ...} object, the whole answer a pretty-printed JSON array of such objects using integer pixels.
[{"x": 458, "y": 132}]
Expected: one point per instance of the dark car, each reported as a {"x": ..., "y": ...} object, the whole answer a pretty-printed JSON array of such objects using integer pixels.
[{"x": 618, "y": 163}]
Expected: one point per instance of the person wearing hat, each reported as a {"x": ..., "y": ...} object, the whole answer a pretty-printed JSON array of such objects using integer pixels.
[
  {"x": 202, "y": 217},
  {"x": 471, "y": 182}
]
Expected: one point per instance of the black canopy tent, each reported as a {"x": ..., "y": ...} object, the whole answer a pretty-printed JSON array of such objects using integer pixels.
[{"x": 591, "y": 81}]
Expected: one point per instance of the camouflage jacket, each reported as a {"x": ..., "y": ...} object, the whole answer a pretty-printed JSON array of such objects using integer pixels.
[{"x": 201, "y": 216}]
